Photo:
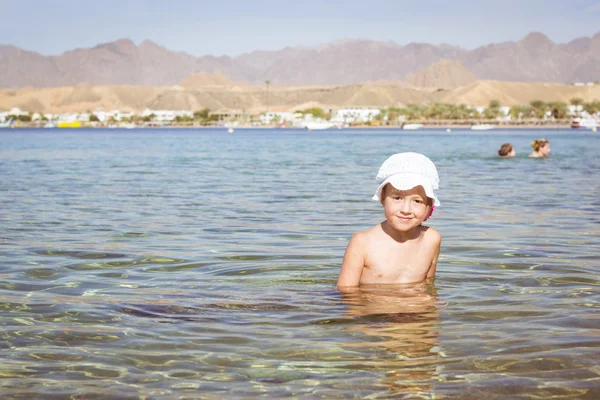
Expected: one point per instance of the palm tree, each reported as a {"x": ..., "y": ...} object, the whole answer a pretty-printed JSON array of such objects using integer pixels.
[
  {"x": 463, "y": 111},
  {"x": 558, "y": 109},
  {"x": 267, "y": 82},
  {"x": 494, "y": 104},
  {"x": 520, "y": 112},
  {"x": 415, "y": 111},
  {"x": 576, "y": 102},
  {"x": 592, "y": 107},
  {"x": 539, "y": 108},
  {"x": 393, "y": 114},
  {"x": 381, "y": 116}
]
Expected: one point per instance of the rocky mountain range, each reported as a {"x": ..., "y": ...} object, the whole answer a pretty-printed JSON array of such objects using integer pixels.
[{"x": 535, "y": 58}]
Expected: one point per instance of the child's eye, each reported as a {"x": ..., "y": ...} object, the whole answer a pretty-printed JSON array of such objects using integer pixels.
[{"x": 418, "y": 201}]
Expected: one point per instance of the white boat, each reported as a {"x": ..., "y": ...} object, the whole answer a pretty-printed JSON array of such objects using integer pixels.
[
  {"x": 412, "y": 127},
  {"x": 317, "y": 125},
  {"x": 482, "y": 127},
  {"x": 589, "y": 123}
]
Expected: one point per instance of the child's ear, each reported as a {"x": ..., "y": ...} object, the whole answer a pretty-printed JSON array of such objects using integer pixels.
[
  {"x": 383, "y": 194},
  {"x": 430, "y": 209}
]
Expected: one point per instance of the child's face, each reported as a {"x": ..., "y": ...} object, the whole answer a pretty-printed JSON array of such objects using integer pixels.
[{"x": 405, "y": 209}]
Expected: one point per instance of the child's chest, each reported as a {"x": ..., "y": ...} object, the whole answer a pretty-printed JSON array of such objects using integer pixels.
[{"x": 396, "y": 264}]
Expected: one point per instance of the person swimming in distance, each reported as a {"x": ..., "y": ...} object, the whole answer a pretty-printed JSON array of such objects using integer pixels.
[
  {"x": 541, "y": 148},
  {"x": 399, "y": 249},
  {"x": 507, "y": 151}
]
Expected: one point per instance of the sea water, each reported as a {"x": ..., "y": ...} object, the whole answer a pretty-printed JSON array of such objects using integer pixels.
[{"x": 177, "y": 264}]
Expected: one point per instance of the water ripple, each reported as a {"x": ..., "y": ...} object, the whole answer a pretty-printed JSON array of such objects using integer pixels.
[{"x": 193, "y": 264}]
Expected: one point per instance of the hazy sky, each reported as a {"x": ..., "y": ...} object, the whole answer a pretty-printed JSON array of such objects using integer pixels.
[{"x": 233, "y": 27}]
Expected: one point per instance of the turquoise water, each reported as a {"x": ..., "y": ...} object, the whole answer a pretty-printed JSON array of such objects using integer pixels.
[{"x": 199, "y": 264}]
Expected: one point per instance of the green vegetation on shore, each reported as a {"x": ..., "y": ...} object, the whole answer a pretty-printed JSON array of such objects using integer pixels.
[{"x": 534, "y": 113}]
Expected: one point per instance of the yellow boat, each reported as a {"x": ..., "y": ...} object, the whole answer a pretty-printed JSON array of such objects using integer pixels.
[{"x": 69, "y": 124}]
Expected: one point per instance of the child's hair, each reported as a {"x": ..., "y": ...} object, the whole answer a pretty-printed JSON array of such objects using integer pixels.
[
  {"x": 429, "y": 200},
  {"x": 537, "y": 144},
  {"x": 505, "y": 150}
]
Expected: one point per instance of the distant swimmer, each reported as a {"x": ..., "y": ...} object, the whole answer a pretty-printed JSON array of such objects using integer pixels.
[
  {"x": 541, "y": 148},
  {"x": 507, "y": 151}
]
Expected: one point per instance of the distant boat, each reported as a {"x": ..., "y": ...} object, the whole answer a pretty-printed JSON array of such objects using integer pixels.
[
  {"x": 317, "y": 125},
  {"x": 412, "y": 127},
  {"x": 49, "y": 125},
  {"x": 6, "y": 124},
  {"x": 589, "y": 123},
  {"x": 482, "y": 127}
]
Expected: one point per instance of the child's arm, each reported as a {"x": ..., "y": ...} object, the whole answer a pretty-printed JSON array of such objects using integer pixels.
[
  {"x": 436, "y": 240},
  {"x": 353, "y": 263}
]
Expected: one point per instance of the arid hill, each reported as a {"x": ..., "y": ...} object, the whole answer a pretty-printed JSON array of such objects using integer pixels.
[
  {"x": 204, "y": 80},
  {"x": 535, "y": 58},
  {"x": 253, "y": 99},
  {"x": 444, "y": 74},
  {"x": 514, "y": 93}
]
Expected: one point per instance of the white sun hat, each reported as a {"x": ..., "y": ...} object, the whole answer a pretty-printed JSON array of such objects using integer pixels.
[{"x": 405, "y": 171}]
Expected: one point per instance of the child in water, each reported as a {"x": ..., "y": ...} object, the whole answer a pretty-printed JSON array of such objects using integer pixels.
[
  {"x": 541, "y": 148},
  {"x": 400, "y": 249}
]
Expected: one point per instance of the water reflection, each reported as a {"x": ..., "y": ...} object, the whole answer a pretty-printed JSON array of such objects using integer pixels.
[{"x": 402, "y": 320}]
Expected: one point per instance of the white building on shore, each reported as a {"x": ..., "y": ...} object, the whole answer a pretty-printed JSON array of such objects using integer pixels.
[
  {"x": 15, "y": 111},
  {"x": 166, "y": 115},
  {"x": 354, "y": 115},
  {"x": 280, "y": 117}
]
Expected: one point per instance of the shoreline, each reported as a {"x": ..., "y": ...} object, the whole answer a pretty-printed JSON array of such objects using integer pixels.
[{"x": 426, "y": 126}]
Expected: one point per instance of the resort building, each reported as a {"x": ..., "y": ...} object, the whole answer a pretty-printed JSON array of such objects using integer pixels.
[
  {"x": 228, "y": 115},
  {"x": 354, "y": 115},
  {"x": 280, "y": 117},
  {"x": 15, "y": 111},
  {"x": 166, "y": 115}
]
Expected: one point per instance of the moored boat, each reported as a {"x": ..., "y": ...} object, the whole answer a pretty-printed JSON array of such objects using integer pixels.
[
  {"x": 588, "y": 123},
  {"x": 482, "y": 127},
  {"x": 412, "y": 127},
  {"x": 317, "y": 125}
]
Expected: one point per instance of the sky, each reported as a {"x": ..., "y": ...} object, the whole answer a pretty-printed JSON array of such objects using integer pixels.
[{"x": 234, "y": 27}]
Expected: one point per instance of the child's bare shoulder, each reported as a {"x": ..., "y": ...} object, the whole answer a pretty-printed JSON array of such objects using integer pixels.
[
  {"x": 431, "y": 236},
  {"x": 363, "y": 237}
]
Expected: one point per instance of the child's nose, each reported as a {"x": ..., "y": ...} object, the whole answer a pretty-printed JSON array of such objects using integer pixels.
[{"x": 405, "y": 206}]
